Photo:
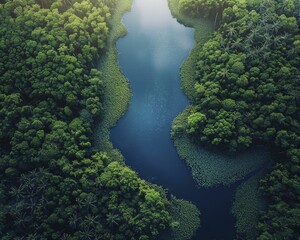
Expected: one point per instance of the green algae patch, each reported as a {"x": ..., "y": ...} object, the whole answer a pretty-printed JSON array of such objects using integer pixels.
[
  {"x": 247, "y": 207},
  {"x": 210, "y": 168},
  {"x": 117, "y": 91}
]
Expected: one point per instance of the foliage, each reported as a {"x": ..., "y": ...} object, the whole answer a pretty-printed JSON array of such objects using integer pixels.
[
  {"x": 204, "y": 171},
  {"x": 248, "y": 89},
  {"x": 186, "y": 219},
  {"x": 53, "y": 185},
  {"x": 203, "y": 30},
  {"x": 247, "y": 207},
  {"x": 117, "y": 92},
  {"x": 211, "y": 168}
]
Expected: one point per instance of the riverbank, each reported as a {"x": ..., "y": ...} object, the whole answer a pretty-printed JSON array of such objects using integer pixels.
[
  {"x": 208, "y": 168},
  {"x": 186, "y": 217},
  {"x": 203, "y": 30},
  {"x": 117, "y": 90},
  {"x": 212, "y": 168}
]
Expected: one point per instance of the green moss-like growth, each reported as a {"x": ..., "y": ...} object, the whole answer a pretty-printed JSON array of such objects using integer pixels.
[
  {"x": 211, "y": 168},
  {"x": 186, "y": 219},
  {"x": 117, "y": 92},
  {"x": 247, "y": 206},
  {"x": 247, "y": 92}
]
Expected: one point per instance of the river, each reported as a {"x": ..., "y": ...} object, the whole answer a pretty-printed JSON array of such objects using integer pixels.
[{"x": 150, "y": 57}]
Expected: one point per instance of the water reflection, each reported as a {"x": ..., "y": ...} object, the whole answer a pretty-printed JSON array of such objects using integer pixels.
[
  {"x": 148, "y": 21},
  {"x": 152, "y": 19}
]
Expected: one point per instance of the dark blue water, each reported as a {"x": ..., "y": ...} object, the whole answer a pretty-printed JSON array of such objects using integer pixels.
[{"x": 150, "y": 57}]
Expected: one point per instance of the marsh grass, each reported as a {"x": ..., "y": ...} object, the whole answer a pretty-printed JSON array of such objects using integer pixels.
[
  {"x": 117, "y": 91},
  {"x": 186, "y": 220},
  {"x": 213, "y": 168},
  {"x": 115, "y": 103},
  {"x": 247, "y": 207},
  {"x": 203, "y": 30}
]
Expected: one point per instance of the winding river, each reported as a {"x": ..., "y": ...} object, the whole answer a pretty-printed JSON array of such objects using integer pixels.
[{"x": 150, "y": 57}]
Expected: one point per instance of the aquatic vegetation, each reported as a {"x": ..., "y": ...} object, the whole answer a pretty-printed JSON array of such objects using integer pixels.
[
  {"x": 117, "y": 93},
  {"x": 208, "y": 168},
  {"x": 247, "y": 92},
  {"x": 248, "y": 205},
  {"x": 203, "y": 30},
  {"x": 213, "y": 168},
  {"x": 186, "y": 219}
]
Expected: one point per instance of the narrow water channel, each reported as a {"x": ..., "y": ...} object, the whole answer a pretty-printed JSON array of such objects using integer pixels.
[{"x": 150, "y": 57}]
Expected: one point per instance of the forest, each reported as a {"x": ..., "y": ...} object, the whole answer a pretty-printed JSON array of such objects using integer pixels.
[
  {"x": 53, "y": 183},
  {"x": 247, "y": 93}
]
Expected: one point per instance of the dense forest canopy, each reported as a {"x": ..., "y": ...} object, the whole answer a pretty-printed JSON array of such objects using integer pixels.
[
  {"x": 53, "y": 185},
  {"x": 247, "y": 92}
]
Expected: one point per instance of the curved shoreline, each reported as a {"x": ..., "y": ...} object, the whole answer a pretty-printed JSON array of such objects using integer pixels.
[
  {"x": 117, "y": 90},
  {"x": 203, "y": 30},
  {"x": 208, "y": 168},
  {"x": 200, "y": 168},
  {"x": 247, "y": 206}
]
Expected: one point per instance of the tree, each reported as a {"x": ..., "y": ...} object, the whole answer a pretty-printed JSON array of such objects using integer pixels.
[
  {"x": 195, "y": 121},
  {"x": 112, "y": 219}
]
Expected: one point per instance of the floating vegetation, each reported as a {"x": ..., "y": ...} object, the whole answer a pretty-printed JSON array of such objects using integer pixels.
[
  {"x": 186, "y": 220},
  {"x": 247, "y": 206},
  {"x": 186, "y": 216},
  {"x": 211, "y": 168}
]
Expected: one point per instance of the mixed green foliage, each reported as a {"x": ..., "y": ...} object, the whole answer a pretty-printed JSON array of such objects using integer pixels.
[
  {"x": 248, "y": 204},
  {"x": 186, "y": 219},
  {"x": 204, "y": 164},
  {"x": 116, "y": 97},
  {"x": 210, "y": 168},
  {"x": 247, "y": 92},
  {"x": 52, "y": 184}
]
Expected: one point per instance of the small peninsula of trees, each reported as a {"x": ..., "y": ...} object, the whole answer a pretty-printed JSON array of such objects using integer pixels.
[
  {"x": 53, "y": 185},
  {"x": 247, "y": 92}
]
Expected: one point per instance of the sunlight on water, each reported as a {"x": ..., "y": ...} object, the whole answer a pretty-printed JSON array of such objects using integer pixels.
[
  {"x": 154, "y": 21},
  {"x": 150, "y": 8}
]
